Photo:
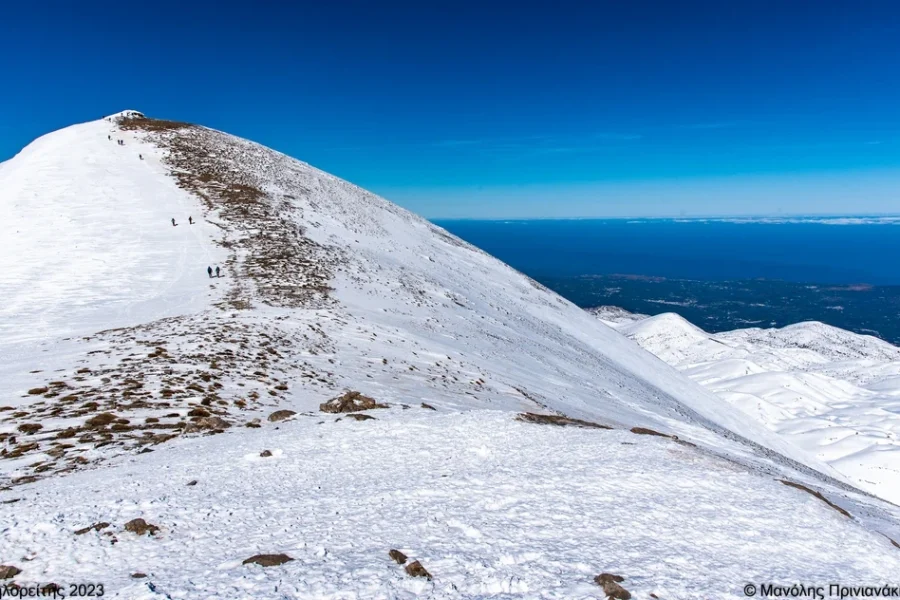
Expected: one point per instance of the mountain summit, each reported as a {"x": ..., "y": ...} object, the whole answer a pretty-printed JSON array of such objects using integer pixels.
[{"x": 175, "y": 289}]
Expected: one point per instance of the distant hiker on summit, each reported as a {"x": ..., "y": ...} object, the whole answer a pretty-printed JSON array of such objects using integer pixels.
[
  {"x": 209, "y": 272},
  {"x": 190, "y": 220},
  {"x": 174, "y": 224},
  {"x": 217, "y": 272}
]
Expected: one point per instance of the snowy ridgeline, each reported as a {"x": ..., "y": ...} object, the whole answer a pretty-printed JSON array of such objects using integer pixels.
[
  {"x": 126, "y": 372},
  {"x": 833, "y": 393}
]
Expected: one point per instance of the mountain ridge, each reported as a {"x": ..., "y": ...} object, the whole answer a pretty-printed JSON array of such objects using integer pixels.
[
  {"x": 328, "y": 289},
  {"x": 282, "y": 252}
]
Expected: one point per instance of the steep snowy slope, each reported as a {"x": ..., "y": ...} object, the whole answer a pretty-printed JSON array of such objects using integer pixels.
[
  {"x": 327, "y": 288},
  {"x": 87, "y": 239},
  {"x": 831, "y": 392},
  {"x": 392, "y": 304}
]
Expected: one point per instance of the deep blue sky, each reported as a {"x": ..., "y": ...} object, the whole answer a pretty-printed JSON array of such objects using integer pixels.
[{"x": 473, "y": 109}]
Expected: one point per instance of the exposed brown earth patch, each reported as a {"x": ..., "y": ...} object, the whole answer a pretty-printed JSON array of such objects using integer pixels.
[
  {"x": 200, "y": 355},
  {"x": 559, "y": 420},
  {"x": 94, "y": 527},
  {"x": 268, "y": 560},
  {"x": 281, "y": 415},
  {"x": 817, "y": 495},
  {"x": 287, "y": 268},
  {"x": 610, "y": 584},
  {"x": 9, "y": 571},
  {"x": 360, "y": 417},
  {"x": 349, "y": 402},
  {"x": 645, "y": 431},
  {"x": 141, "y": 527},
  {"x": 415, "y": 569}
]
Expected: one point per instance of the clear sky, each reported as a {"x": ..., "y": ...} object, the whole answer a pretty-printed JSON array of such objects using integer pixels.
[{"x": 481, "y": 109}]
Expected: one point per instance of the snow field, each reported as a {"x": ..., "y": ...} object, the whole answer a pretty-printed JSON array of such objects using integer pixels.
[{"x": 490, "y": 506}]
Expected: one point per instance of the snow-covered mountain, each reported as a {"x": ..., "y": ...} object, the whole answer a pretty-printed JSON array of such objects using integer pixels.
[
  {"x": 833, "y": 393},
  {"x": 136, "y": 386}
]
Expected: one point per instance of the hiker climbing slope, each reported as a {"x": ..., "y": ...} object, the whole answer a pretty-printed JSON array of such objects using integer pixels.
[{"x": 209, "y": 272}]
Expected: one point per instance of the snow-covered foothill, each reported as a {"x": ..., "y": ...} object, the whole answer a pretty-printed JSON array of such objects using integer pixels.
[{"x": 831, "y": 392}]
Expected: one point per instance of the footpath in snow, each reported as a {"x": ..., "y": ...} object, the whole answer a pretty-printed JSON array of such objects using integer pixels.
[{"x": 87, "y": 241}]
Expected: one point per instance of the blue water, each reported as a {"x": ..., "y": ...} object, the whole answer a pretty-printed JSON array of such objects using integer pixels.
[
  {"x": 701, "y": 250},
  {"x": 719, "y": 275}
]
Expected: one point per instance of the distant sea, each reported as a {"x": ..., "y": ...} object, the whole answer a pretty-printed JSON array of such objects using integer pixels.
[{"x": 718, "y": 273}]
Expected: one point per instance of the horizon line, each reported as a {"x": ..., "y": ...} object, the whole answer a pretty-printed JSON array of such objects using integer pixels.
[{"x": 823, "y": 216}]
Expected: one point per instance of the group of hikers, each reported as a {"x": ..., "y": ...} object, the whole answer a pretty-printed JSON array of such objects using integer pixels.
[
  {"x": 121, "y": 142},
  {"x": 209, "y": 270}
]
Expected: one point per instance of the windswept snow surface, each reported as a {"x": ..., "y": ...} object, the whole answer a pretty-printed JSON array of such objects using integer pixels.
[
  {"x": 330, "y": 288},
  {"x": 833, "y": 393},
  {"x": 493, "y": 508}
]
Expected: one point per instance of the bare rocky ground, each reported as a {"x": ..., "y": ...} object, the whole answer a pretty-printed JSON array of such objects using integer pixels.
[{"x": 143, "y": 386}]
